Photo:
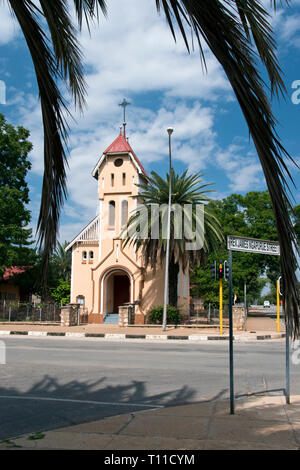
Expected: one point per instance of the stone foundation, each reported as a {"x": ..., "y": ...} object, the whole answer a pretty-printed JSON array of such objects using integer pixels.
[
  {"x": 238, "y": 313},
  {"x": 69, "y": 315}
]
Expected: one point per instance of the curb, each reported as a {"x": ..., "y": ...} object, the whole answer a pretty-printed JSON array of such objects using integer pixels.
[{"x": 119, "y": 336}]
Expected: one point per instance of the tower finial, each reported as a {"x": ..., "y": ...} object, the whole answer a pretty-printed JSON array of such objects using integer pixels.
[{"x": 124, "y": 104}]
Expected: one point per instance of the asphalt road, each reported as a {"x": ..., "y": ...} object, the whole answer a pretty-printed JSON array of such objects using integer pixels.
[{"x": 52, "y": 382}]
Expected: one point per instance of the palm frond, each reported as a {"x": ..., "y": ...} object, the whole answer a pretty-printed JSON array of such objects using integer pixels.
[
  {"x": 228, "y": 36},
  {"x": 55, "y": 131},
  {"x": 65, "y": 47},
  {"x": 89, "y": 10}
]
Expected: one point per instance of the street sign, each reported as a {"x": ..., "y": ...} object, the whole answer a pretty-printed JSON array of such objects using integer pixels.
[{"x": 253, "y": 245}]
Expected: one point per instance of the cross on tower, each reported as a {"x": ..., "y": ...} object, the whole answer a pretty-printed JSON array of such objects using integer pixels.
[{"x": 124, "y": 104}]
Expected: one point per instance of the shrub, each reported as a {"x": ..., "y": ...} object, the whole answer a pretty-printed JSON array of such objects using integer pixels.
[
  {"x": 61, "y": 293},
  {"x": 155, "y": 316}
]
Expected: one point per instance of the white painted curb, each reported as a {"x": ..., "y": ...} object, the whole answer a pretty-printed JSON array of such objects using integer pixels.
[
  {"x": 37, "y": 333},
  {"x": 4, "y": 332},
  {"x": 116, "y": 336},
  {"x": 77, "y": 335},
  {"x": 198, "y": 337},
  {"x": 156, "y": 337}
]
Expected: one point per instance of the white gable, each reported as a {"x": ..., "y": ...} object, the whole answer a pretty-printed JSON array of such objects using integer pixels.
[{"x": 90, "y": 233}]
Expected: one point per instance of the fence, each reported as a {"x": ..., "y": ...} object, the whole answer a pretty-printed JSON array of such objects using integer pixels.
[
  {"x": 24, "y": 311},
  {"x": 207, "y": 316},
  {"x": 12, "y": 311}
]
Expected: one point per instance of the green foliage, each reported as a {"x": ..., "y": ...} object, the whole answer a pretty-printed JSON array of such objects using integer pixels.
[
  {"x": 61, "y": 293},
  {"x": 61, "y": 262},
  {"x": 297, "y": 221},
  {"x": 155, "y": 316},
  {"x": 188, "y": 192},
  {"x": 14, "y": 216},
  {"x": 250, "y": 215}
]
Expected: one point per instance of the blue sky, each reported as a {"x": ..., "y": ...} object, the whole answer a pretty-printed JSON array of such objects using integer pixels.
[{"x": 132, "y": 54}]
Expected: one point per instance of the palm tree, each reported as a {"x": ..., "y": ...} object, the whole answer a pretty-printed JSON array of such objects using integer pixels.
[
  {"x": 146, "y": 228},
  {"x": 237, "y": 32},
  {"x": 61, "y": 261}
]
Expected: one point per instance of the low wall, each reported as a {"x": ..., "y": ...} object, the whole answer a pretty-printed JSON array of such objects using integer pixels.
[
  {"x": 69, "y": 315},
  {"x": 238, "y": 313}
]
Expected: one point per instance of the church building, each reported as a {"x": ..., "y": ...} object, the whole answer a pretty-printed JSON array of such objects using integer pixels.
[{"x": 105, "y": 275}]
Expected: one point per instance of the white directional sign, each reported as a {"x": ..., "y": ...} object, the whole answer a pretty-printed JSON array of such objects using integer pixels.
[{"x": 253, "y": 245}]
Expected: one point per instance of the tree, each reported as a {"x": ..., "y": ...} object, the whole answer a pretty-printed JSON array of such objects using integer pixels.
[
  {"x": 188, "y": 192},
  {"x": 297, "y": 221},
  {"x": 239, "y": 35},
  {"x": 251, "y": 216},
  {"x": 61, "y": 262},
  {"x": 61, "y": 293},
  {"x": 15, "y": 238}
]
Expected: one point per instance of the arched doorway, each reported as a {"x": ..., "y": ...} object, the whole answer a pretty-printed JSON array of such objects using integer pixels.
[
  {"x": 116, "y": 289},
  {"x": 121, "y": 290}
]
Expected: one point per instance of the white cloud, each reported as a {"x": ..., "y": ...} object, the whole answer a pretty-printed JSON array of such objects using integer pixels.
[
  {"x": 133, "y": 54},
  {"x": 9, "y": 28},
  {"x": 241, "y": 168}
]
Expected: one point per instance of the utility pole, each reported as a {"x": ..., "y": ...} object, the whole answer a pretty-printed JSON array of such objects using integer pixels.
[
  {"x": 221, "y": 297},
  {"x": 166, "y": 293}
]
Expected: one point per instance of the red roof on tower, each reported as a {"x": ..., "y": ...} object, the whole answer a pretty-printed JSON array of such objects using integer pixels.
[{"x": 121, "y": 145}]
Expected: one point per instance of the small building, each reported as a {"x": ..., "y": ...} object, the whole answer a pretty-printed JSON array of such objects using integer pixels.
[
  {"x": 9, "y": 289},
  {"x": 105, "y": 274}
]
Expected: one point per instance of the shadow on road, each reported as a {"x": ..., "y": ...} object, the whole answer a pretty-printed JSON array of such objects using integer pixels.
[{"x": 50, "y": 404}]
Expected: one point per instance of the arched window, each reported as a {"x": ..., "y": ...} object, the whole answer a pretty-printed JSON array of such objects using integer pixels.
[
  {"x": 124, "y": 214},
  {"x": 111, "y": 213},
  {"x": 91, "y": 255},
  {"x": 84, "y": 256}
]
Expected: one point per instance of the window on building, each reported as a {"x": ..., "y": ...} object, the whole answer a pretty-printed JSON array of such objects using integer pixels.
[
  {"x": 124, "y": 179},
  {"x": 91, "y": 255},
  {"x": 84, "y": 256},
  {"x": 118, "y": 162},
  {"x": 111, "y": 213},
  {"x": 80, "y": 299},
  {"x": 112, "y": 179},
  {"x": 124, "y": 215}
]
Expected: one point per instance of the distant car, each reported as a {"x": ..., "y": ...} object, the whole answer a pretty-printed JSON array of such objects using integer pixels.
[{"x": 266, "y": 304}]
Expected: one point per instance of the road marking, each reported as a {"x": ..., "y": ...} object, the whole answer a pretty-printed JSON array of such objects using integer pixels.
[{"x": 88, "y": 402}]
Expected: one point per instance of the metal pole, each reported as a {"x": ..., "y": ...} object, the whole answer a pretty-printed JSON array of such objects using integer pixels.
[
  {"x": 287, "y": 363},
  {"x": 166, "y": 292},
  {"x": 221, "y": 305},
  {"x": 278, "y": 306},
  {"x": 231, "y": 380},
  {"x": 245, "y": 305}
]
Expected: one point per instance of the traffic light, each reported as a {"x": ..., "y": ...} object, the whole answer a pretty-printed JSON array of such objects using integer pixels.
[
  {"x": 213, "y": 270},
  {"x": 220, "y": 270},
  {"x": 226, "y": 270}
]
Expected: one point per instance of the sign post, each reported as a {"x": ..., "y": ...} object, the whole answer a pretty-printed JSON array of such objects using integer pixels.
[
  {"x": 221, "y": 297},
  {"x": 231, "y": 380},
  {"x": 278, "y": 306},
  {"x": 266, "y": 247}
]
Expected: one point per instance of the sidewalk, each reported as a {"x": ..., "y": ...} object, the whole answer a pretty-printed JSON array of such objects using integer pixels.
[
  {"x": 257, "y": 330},
  {"x": 259, "y": 423}
]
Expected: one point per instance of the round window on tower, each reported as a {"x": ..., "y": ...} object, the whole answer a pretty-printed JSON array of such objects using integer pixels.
[{"x": 118, "y": 162}]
